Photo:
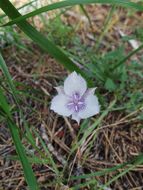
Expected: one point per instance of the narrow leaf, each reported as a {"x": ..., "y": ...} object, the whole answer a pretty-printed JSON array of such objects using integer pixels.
[
  {"x": 62, "y": 4},
  {"x": 37, "y": 37},
  {"x": 28, "y": 173}
]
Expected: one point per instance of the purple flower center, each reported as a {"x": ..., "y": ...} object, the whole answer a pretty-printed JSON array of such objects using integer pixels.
[{"x": 76, "y": 103}]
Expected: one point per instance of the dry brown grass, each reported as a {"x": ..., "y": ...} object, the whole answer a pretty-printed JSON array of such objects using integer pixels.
[{"x": 119, "y": 137}]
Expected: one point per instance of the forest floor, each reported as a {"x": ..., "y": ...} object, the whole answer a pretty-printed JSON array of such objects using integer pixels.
[{"x": 117, "y": 137}]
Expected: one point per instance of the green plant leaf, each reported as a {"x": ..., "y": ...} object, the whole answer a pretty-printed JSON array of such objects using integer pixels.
[
  {"x": 110, "y": 85},
  {"x": 42, "y": 41},
  {"x": 28, "y": 173},
  {"x": 137, "y": 161},
  {"x": 7, "y": 75},
  {"x": 122, "y": 61},
  {"x": 67, "y": 3}
]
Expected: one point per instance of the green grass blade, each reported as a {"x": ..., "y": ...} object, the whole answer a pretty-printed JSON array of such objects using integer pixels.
[
  {"x": 100, "y": 173},
  {"x": 28, "y": 173},
  {"x": 37, "y": 37},
  {"x": 33, "y": 160},
  {"x": 86, "y": 184},
  {"x": 90, "y": 130},
  {"x": 4, "y": 106},
  {"x": 87, "y": 16},
  {"x": 138, "y": 161},
  {"x": 62, "y": 4},
  {"x": 106, "y": 26},
  {"x": 125, "y": 166},
  {"x": 48, "y": 153},
  {"x": 127, "y": 57},
  {"x": 8, "y": 77},
  {"x": 23, "y": 6}
]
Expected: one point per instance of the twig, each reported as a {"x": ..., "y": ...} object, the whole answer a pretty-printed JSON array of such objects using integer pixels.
[{"x": 50, "y": 146}]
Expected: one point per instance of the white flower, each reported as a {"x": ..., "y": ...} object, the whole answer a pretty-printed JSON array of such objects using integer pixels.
[{"x": 75, "y": 99}]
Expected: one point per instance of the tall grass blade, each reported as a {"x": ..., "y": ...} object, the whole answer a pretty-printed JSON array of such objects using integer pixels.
[
  {"x": 125, "y": 166},
  {"x": 87, "y": 16},
  {"x": 7, "y": 75},
  {"x": 62, "y": 4},
  {"x": 23, "y": 6},
  {"x": 99, "y": 173},
  {"x": 51, "y": 160},
  {"x": 127, "y": 57},
  {"x": 37, "y": 37},
  {"x": 106, "y": 27},
  {"x": 138, "y": 161},
  {"x": 28, "y": 173}
]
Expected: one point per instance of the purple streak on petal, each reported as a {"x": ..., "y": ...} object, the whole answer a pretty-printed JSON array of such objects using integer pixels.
[
  {"x": 76, "y": 103},
  {"x": 70, "y": 105},
  {"x": 76, "y": 96},
  {"x": 76, "y": 108}
]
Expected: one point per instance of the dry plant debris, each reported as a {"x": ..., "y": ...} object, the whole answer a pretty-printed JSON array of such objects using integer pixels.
[{"x": 118, "y": 138}]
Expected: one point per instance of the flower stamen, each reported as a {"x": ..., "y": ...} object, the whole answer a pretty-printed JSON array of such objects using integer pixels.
[
  {"x": 75, "y": 99},
  {"x": 76, "y": 103}
]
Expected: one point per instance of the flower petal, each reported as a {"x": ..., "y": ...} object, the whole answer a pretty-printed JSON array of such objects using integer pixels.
[
  {"x": 60, "y": 89},
  {"x": 91, "y": 107},
  {"x": 75, "y": 83},
  {"x": 90, "y": 91},
  {"x": 59, "y": 105},
  {"x": 76, "y": 117}
]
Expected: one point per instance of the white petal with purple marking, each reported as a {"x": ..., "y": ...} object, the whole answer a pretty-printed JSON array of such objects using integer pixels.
[
  {"x": 91, "y": 107},
  {"x": 75, "y": 99},
  {"x": 59, "y": 105},
  {"x": 74, "y": 83}
]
